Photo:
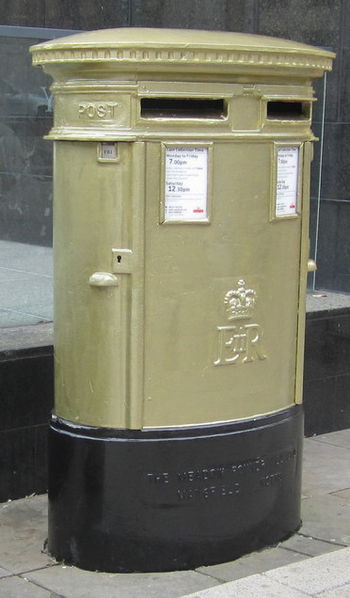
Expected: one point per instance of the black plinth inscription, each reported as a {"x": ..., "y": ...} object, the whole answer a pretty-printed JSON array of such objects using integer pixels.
[{"x": 162, "y": 500}]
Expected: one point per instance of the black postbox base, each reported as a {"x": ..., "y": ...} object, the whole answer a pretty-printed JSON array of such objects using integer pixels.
[{"x": 162, "y": 500}]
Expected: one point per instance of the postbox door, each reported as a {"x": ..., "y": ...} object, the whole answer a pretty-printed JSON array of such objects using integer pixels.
[{"x": 222, "y": 291}]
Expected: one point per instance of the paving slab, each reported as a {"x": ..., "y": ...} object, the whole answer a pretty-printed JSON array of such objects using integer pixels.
[
  {"x": 326, "y": 301},
  {"x": 343, "y": 495},
  {"x": 12, "y": 317},
  {"x": 24, "y": 337},
  {"x": 255, "y": 586},
  {"x": 326, "y": 518},
  {"x": 308, "y": 546},
  {"x": 23, "y": 529},
  {"x": 7, "y": 275},
  {"x": 16, "y": 587},
  {"x": 255, "y": 562},
  {"x": 4, "y": 573},
  {"x": 26, "y": 291},
  {"x": 71, "y": 582},
  {"x": 325, "y": 468},
  {"x": 23, "y": 257},
  {"x": 343, "y": 592},
  {"x": 325, "y": 572},
  {"x": 327, "y": 575},
  {"x": 340, "y": 438},
  {"x": 33, "y": 295}
]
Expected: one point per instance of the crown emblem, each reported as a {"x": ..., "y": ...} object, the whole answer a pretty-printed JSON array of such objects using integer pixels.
[{"x": 240, "y": 302}]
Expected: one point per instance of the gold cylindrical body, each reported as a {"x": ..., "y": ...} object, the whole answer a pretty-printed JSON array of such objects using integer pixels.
[{"x": 166, "y": 316}]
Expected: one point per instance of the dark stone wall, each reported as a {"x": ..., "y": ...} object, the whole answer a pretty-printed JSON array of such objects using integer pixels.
[
  {"x": 327, "y": 372},
  {"x": 319, "y": 22},
  {"x": 25, "y": 157},
  {"x": 26, "y": 382},
  {"x": 66, "y": 14}
]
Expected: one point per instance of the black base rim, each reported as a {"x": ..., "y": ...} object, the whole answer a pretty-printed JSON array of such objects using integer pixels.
[{"x": 171, "y": 499}]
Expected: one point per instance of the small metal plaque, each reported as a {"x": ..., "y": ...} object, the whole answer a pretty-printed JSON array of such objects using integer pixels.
[{"x": 107, "y": 151}]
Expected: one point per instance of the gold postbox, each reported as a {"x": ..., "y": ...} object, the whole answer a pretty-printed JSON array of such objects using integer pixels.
[{"x": 181, "y": 191}]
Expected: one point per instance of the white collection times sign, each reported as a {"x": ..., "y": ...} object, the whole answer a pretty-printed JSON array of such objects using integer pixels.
[
  {"x": 287, "y": 181},
  {"x": 186, "y": 184}
]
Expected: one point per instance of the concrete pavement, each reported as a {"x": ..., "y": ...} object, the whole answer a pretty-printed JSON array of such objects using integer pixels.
[{"x": 26, "y": 284}]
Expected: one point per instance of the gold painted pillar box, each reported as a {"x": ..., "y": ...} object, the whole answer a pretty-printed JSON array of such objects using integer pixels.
[{"x": 181, "y": 186}]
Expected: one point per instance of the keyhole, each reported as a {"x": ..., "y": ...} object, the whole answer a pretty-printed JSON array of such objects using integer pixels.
[{"x": 119, "y": 258}]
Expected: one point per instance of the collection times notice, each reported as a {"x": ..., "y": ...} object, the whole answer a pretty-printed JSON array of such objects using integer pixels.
[
  {"x": 287, "y": 181},
  {"x": 186, "y": 184}
]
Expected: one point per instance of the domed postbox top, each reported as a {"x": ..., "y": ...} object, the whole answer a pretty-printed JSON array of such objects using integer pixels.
[{"x": 184, "y": 50}]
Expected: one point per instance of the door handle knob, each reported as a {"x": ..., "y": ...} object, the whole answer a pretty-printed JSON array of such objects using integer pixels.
[
  {"x": 103, "y": 279},
  {"x": 311, "y": 265}
]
